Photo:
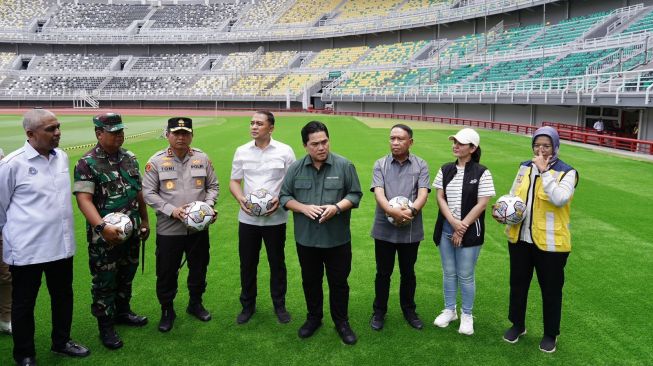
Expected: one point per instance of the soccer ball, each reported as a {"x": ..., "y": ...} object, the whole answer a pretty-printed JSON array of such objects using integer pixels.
[
  {"x": 399, "y": 201},
  {"x": 509, "y": 210},
  {"x": 259, "y": 202},
  {"x": 198, "y": 216},
  {"x": 122, "y": 221}
]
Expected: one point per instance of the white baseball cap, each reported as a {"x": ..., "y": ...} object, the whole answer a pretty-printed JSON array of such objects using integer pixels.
[{"x": 467, "y": 136}]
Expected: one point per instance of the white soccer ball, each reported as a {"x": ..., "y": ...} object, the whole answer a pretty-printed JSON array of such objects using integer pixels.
[
  {"x": 122, "y": 221},
  {"x": 397, "y": 202},
  {"x": 198, "y": 216},
  {"x": 259, "y": 202},
  {"x": 509, "y": 210}
]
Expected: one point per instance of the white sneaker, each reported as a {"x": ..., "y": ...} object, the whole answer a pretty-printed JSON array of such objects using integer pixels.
[
  {"x": 5, "y": 327},
  {"x": 466, "y": 324},
  {"x": 446, "y": 317}
]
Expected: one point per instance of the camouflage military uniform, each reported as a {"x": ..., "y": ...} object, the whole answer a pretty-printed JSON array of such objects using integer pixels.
[{"x": 114, "y": 185}]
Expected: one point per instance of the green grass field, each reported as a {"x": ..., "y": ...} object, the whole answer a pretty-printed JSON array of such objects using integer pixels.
[{"x": 606, "y": 309}]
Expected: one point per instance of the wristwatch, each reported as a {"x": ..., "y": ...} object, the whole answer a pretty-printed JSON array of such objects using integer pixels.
[
  {"x": 98, "y": 228},
  {"x": 413, "y": 210},
  {"x": 338, "y": 210}
]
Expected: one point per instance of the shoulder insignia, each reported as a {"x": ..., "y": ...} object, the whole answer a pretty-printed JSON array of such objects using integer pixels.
[{"x": 148, "y": 167}]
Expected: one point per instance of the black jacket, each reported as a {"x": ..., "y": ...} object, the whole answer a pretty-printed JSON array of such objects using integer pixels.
[{"x": 473, "y": 172}]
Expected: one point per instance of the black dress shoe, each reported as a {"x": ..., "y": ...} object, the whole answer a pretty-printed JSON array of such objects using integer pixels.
[
  {"x": 71, "y": 348},
  {"x": 245, "y": 315},
  {"x": 309, "y": 328},
  {"x": 282, "y": 314},
  {"x": 377, "y": 321},
  {"x": 346, "y": 333},
  {"x": 198, "y": 311},
  {"x": 414, "y": 321},
  {"x": 110, "y": 338},
  {"x": 167, "y": 320},
  {"x": 27, "y": 361},
  {"x": 130, "y": 318}
]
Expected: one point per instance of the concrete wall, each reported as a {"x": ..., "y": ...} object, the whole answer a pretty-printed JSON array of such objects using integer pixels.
[
  {"x": 520, "y": 114},
  {"x": 561, "y": 114}
]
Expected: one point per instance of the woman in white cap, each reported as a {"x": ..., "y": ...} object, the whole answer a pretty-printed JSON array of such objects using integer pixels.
[{"x": 464, "y": 188}]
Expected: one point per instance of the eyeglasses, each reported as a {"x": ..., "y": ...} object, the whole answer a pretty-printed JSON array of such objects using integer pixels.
[{"x": 543, "y": 146}]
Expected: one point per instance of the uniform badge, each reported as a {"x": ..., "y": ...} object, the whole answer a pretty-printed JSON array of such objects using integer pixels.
[
  {"x": 148, "y": 167},
  {"x": 170, "y": 185},
  {"x": 196, "y": 161},
  {"x": 167, "y": 163},
  {"x": 32, "y": 171},
  {"x": 198, "y": 182}
]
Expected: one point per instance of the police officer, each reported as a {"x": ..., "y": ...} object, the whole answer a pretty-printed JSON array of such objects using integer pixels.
[
  {"x": 175, "y": 177},
  {"x": 107, "y": 180}
]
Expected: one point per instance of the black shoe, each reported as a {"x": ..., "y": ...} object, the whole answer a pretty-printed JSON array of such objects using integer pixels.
[
  {"x": 346, "y": 333},
  {"x": 167, "y": 320},
  {"x": 282, "y": 314},
  {"x": 27, "y": 361},
  {"x": 548, "y": 344},
  {"x": 309, "y": 328},
  {"x": 198, "y": 311},
  {"x": 71, "y": 348},
  {"x": 512, "y": 335},
  {"x": 131, "y": 319},
  {"x": 110, "y": 338},
  {"x": 245, "y": 315},
  {"x": 414, "y": 321},
  {"x": 377, "y": 321}
]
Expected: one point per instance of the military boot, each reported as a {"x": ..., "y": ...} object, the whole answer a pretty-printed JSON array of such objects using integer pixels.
[{"x": 108, "y": 335}]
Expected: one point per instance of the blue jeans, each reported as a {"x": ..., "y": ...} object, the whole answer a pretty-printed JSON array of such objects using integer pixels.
[{"x": 458, "y": 265}]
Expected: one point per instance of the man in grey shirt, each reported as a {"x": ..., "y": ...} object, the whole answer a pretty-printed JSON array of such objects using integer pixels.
[
  {"x": 398, "y": 174},
  {"x": 173, "y": 178}
]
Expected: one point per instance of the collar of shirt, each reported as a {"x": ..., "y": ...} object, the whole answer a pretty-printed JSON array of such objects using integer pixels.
[
  {"x": 100, "y": 153},
  {"x": 31, "y": 153},
  {"x": 271, "y": 145},
  {"x": 309, "y": 161},
  {"x": 409, "y": 160}
]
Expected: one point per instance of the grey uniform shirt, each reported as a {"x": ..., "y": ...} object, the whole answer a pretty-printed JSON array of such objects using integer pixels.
[
  {"x": 399, "y": 180},
  {"x": 170, "y": 182}
]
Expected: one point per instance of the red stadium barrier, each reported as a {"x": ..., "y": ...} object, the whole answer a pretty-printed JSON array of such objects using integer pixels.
[{"x": 567, "y": 132}]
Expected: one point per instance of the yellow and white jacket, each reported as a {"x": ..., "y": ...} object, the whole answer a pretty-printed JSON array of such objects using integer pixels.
[{"x": 548, "y": 199}]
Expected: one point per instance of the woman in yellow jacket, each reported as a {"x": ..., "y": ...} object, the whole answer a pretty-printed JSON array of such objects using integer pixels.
[{"x": 542, "y": 240}]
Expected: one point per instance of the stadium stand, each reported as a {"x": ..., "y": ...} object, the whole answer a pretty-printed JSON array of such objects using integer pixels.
[
  {"x": 360, "y": 82},
  {"x": 19, "y": 13},
  {"x": 5, "y": 59},
  {"x": 567, "y": 30},
  {"x": 397, "y": 53},
  {"x": 643, "y": 24},
  {"x": 195, "y": 15},
  {"x": 211, "y": 84},
  {"x": 168, "y": 62},
  {"x": 294, "y": 84},
  {"x": 69, "y": 62},
  {"x": 262, "y": 12},
  {"x": 89, "y": 16},
  {"x": 236, "y": 61},
  {"x": 512, "y": 38},
  {"x": 366, "y": 8},
  {"x": 308, "y": 11},
  {"x": 421, "y": 5},
  {"x": 337, "y": 58},
  {"x": 274, "y": 60},
  {"x": 512, "y": 70},
  {"x": 253, "y": 84}
]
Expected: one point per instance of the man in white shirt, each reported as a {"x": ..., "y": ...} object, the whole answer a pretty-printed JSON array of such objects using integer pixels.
[
  {"x": 35, "y": 180},
  {"x": 261, "y": 164}
]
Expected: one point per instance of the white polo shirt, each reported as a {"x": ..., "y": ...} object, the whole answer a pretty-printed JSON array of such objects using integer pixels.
[
  {"x": 262, "y": 168},
  {"x": 36, "y": 213}
]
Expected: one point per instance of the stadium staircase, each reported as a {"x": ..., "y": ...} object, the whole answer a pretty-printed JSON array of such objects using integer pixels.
[{"x": 82, "y": 100}]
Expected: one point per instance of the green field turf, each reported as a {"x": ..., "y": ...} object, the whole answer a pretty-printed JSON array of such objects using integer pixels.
[{"x": 606, "y": 311}]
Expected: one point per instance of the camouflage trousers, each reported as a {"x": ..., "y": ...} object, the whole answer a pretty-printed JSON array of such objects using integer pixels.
[{"x": 112, "y": 272}]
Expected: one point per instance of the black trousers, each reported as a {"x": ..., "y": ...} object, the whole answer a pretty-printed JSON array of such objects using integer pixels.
[
  {"x": 249, "y": 248},
  {"x": 169, "y": 252},
  {"x": 26, "y": 281},
  {"x": 337, "y": 262},
  {"x": 550, "y": 268},
  {"x": 385, "y": 263}
]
